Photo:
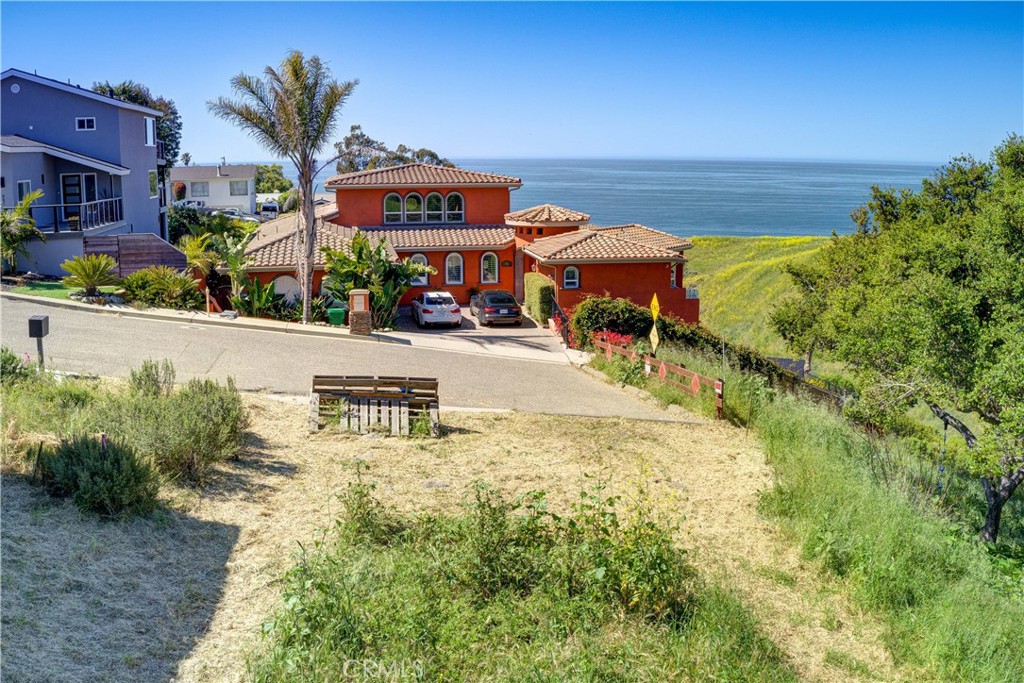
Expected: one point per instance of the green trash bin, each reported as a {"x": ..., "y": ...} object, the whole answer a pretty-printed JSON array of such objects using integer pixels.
[{"x": 336, "y": 316}]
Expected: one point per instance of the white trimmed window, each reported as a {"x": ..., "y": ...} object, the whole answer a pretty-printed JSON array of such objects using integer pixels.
[
  {"x": 422, "y": 280},
  {"x": 435, "y": 207},
  {"x": 239, "y": 188},
  {"x": 150, "y": 132},
  {"x": 200, "y": 189},
  {"x": 286, "y": 286},
  {"x": 453, "y": 269},
  {"x": 85, "y": 123},
  {"x": 413, "y": 208},
  {"x": 571, "y": 278},
  {"x": 489, "y": 268},
  {"x": 393, "y": 208},
  {"x": 454, "y": 208},
  {"x": 154, "y": 185},
  {"x": 24, "y": 188}
]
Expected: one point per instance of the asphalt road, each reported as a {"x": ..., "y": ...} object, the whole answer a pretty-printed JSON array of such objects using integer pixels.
[{"x": 110, "y": 345}]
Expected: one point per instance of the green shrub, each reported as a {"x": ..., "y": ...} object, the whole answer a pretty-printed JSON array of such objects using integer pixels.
[
  {"x": 507, "y": 591},
  {"x": 258, "y": 300},
  {"x": 540, "y": 293},
  {"x": 152, "y": 378},
  {"x": 90, "y": 272},
  {"x": 109, "y": 479},
  {"x": 12, "y": 368},
  {"x": 164, "y": 287},
  {"x": 184, "y": 432},
  {"x": 595, "y": 313}
]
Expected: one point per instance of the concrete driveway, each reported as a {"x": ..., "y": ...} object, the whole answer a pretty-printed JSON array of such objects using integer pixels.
[
  {"x": 111, "y": 344},
  {"x": 529, "y": 341}
]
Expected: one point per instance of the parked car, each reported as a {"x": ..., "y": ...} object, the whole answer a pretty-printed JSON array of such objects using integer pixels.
[
  {"x": 189, "y": 203},
  {"x": 436, "y": 308},
  {"x": 496, "y": 306},
  {"x": 237, "y": 214},
  {"x": 270, "y": 209}
]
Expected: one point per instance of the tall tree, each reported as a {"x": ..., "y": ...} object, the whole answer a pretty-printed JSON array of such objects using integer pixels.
[
  {"x": 292, "y": 112},
  {"x": 270, "y": 178},
  {"x": 186, "y": 159},
  {"x": 359, "y": 152},
  {"x": 168, "y": 126},
  {"x": 926, "y": 301}
]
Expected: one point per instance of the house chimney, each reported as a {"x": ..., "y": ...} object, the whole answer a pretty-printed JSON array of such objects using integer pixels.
[
  {"x": 222, "y": 163},
  {"x": 110, "y": 92}
]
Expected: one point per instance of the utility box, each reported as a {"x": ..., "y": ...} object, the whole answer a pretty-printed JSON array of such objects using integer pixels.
[{"x": 38, "y": 326}]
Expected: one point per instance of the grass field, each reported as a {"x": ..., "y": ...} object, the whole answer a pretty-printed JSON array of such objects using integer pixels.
[
  {"x": 50, "y": 290},
  {"x": 183, "y": 594},
  {"x": 740, "y": 279}
]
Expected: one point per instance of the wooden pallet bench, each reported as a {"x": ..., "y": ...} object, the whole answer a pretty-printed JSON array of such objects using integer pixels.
[{"x": 365, "y": 403}]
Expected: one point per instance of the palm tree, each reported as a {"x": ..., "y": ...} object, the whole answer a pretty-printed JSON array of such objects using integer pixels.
[
  {"x": 16, "y": 228},
  {"x": 291, "y": 111}
]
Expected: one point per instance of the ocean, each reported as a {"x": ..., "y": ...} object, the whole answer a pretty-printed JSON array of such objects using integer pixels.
[{"x": 686, "y": 197}]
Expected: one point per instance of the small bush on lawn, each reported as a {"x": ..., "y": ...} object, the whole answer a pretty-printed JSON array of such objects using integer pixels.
[
  {"x": 164, "y": 287},
  {"x": 110, "y": 479},
  {"x": 540, "y": 293},
  {"x": 90, "y": 272},
  {"x": 507, "y": 591},
  {"x": 12, "y": 368},
  {"x": 183, "y": 431}
]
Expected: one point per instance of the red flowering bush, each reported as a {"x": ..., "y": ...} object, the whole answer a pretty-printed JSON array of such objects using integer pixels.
[{"x": 614, "y": 338}]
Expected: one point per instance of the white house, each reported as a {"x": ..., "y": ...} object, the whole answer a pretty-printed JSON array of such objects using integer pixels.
[{"x": 222, "y": 186}]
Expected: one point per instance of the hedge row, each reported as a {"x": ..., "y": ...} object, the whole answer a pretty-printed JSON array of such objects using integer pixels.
[
  {"x": 625, "y": 317},
  {"x": 540, "y": 293}
]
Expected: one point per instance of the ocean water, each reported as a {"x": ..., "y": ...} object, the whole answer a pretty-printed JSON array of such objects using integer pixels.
[{"x": 686, "y": 197}]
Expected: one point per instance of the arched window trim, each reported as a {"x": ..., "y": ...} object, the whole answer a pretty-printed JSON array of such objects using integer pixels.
[
  {"x": 462, "y": 269},
  {"x": 401, "y": 208},
  {"x": 405, "y": 208},
  {"x": 497, "y": 269},
  {"x": 570, "y": 283},
  {"x": 427, "y": 212},
  {"x": 296, "y": 293},
  {"x": 422, "y": 280},
  {"x": 462, "y": 214}
]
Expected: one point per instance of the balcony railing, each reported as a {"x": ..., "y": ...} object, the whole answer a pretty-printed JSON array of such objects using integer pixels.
[{"x": 74, "y": 217}]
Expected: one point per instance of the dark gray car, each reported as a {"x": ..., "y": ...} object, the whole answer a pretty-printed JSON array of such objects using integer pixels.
[{"x": 496, "y": 306}]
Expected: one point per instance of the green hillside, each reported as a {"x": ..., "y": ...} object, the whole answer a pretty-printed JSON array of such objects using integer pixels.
[{"x": 740, "y": 279}]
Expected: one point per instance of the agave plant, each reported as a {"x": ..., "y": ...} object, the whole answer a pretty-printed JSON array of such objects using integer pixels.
[
  {"x": 90, "y": 272},
  {"x": 16, "y": 228}
]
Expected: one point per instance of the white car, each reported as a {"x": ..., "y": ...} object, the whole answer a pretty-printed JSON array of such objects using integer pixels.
[
  {"x": 436, "y": 308},
  {"x": 236, "y": 214}
]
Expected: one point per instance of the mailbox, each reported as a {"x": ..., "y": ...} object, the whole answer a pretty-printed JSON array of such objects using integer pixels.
[
  {"x": 359, "y": 301},
  {"x": 38, "y": 326}
]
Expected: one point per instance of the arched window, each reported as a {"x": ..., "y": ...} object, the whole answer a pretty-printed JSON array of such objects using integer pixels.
[
  {"x": 413, "y": 208},
  {"x": 455, "y": 209},
  {"x": 453, "y": 269},
  {"x": 287, "y": 286},
  {"x": 672, "y": 276},
  {"x": 489, "y": 268},
  {"x": 435, "y": 208},
  {"x": 571, "y": 278},
  {"x": 422, "y": 280},
  {"x": 393, "y": 208}
]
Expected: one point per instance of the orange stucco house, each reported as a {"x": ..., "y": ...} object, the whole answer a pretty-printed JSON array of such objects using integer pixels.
[{"x": 459, "y": 222}]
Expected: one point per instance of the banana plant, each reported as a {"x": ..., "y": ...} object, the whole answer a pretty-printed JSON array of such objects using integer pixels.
[{"x": 232, "y": 255}]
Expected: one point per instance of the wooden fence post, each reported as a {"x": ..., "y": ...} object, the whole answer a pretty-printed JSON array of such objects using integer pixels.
[{"x": 719, "y": 397}]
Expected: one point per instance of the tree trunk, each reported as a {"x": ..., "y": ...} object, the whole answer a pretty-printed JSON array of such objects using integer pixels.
[
  {"x": 997, "y": 492},
  {"x": 807, "y": 360},
  {"x": 306, "y": 238}
]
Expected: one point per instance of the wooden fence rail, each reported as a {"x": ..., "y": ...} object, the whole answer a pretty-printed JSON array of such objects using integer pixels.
[{"x": 671, "y": 374}]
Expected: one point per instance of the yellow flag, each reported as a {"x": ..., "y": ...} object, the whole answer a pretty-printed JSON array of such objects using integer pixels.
[{"x": 655, "y": 307}]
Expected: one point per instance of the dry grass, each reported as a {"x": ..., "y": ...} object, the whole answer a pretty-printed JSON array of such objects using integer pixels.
[{"x": 183, "y": 595}]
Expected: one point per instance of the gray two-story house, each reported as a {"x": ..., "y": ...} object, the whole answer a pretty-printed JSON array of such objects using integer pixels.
[{"x": 96, "y": 158}]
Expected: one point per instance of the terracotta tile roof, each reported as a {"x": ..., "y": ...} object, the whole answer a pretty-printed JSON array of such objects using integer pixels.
[
  {"x": 419, "y": 174},
  {"x": 444, "y": 236},
  {"x": 641, "y": 233},
  {"x": 595, "y": 245},
  {"x": 274, "y": 244},
  {"x": 547, "y": 213}
]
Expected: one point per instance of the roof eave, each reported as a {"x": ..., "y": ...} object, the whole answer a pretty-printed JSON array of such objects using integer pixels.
[
  {"x": 67, "y": 155},
  {"x": 402, "y": 186},
  {"x": 75, "y": 90}
]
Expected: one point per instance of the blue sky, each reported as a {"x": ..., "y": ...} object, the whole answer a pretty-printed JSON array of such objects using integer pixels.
[{"x": 871, "y": 81}]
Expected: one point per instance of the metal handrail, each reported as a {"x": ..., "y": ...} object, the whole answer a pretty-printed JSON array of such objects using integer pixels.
[{"x": 80, "y": 216}]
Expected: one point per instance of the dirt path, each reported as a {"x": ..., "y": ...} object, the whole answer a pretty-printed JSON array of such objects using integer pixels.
[{"x": 213, "y": 563}]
